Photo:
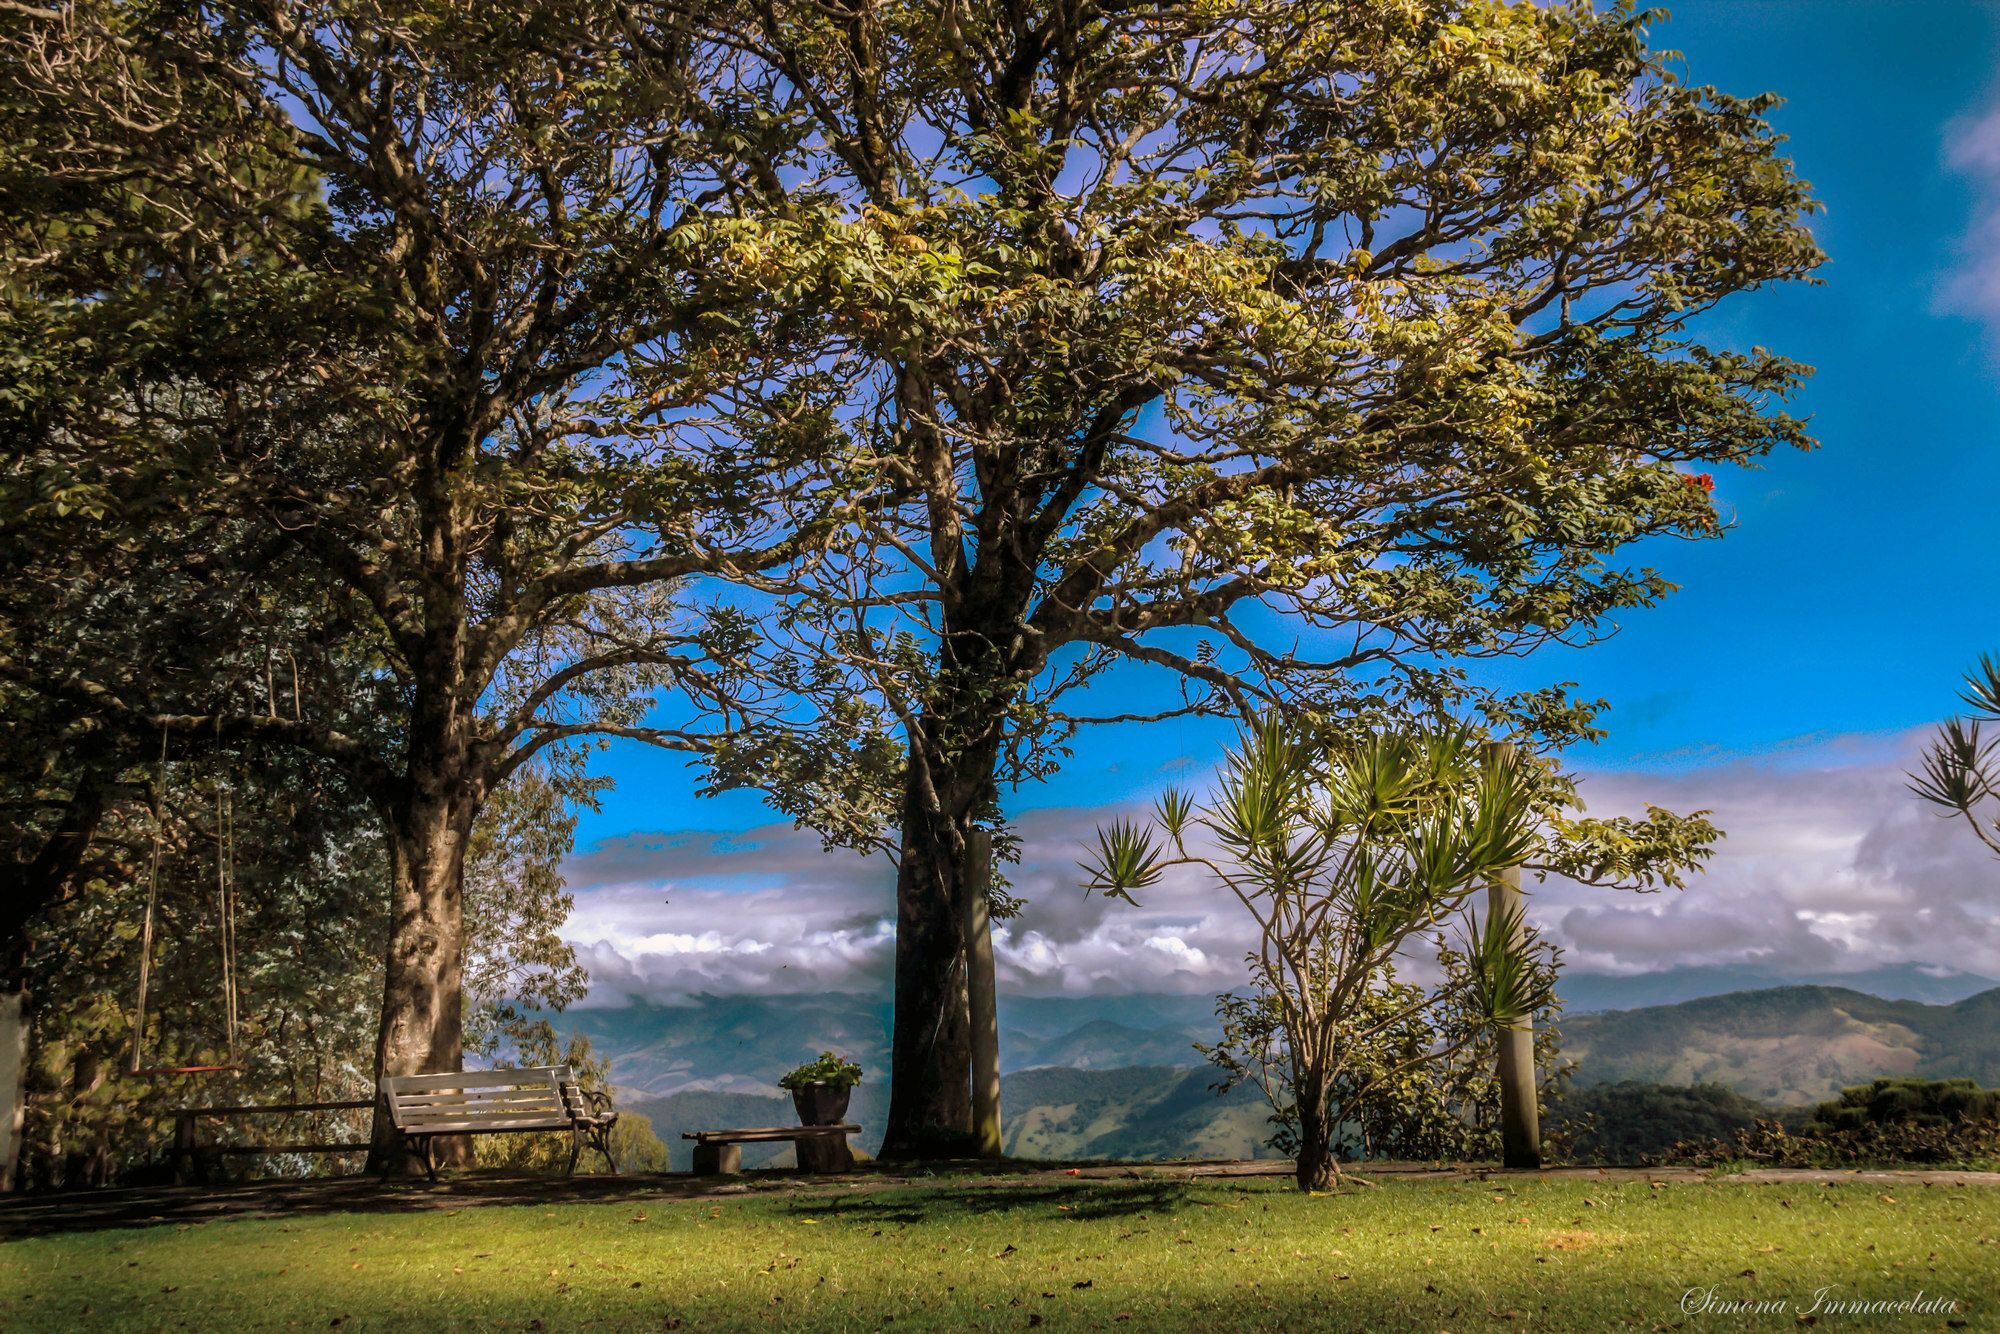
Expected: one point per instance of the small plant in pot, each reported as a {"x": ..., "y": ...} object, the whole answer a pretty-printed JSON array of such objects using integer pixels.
[{"x": 820, "y": 1089}]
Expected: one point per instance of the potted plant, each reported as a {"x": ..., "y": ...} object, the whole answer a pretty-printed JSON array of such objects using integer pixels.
[{"x": 820, "y": 1089}]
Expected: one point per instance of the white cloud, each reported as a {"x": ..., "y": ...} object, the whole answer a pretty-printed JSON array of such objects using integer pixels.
[
  {"x": 1830, "y": 865},
  {"x": 1972, "y": 147}
]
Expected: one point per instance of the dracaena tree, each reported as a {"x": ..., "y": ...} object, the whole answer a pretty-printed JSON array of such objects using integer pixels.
[
  {"x": 1348, "y": 851},
  {"x": 1961, "y": 770},
  {"x": 1301, "y": 350},
  {"x": 463, "y": 317}
]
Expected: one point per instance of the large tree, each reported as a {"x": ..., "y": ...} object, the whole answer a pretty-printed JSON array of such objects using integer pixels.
[
  {"x": 1300, "y": 351},
  {"x": 490, "y": 332}
]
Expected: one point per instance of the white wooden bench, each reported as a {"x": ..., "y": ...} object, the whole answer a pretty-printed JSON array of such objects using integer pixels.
[{"x": 484, "y": 1102}]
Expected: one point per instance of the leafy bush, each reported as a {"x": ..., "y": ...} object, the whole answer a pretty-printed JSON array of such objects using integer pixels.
[
  {"x": 1947, "y": 1121},
  {"x": 828, "y": 1069},
  {"x": 1905, "y": 1101},
  {"x": 1635, "y": 1122}
]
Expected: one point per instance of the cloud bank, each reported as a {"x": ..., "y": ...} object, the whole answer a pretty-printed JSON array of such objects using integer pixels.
[{"x": 1830, "y": 866}]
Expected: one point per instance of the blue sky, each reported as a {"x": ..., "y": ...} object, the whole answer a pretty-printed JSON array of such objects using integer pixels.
[{"x": 1834, "y": 621}]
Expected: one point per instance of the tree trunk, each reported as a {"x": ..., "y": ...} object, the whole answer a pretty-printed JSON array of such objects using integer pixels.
[
  {"x": 950, "y": 783},
  {"x": 13, "y": 1083},
  {"x": 930, "y": 1094},
  {"x": 422, "y": 1009},
  {"x": 1317, "y": 1168},
  {"x": 39, "y": 885}
]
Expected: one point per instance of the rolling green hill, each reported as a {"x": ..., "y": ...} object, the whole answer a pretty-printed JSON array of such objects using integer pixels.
[{"x": 1788, "y": 1044}]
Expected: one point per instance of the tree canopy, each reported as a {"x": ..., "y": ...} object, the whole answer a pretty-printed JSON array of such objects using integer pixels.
[{"x": 1302, "y": 352}]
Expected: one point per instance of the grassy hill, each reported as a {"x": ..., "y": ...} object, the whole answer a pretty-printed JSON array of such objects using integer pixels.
[
  {"x": 1788, "y": 1044},
  {"x": 1138, "y": 1113}
]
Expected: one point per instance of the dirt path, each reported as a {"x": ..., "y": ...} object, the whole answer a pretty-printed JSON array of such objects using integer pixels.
[{"x": 31, "y": 1215}]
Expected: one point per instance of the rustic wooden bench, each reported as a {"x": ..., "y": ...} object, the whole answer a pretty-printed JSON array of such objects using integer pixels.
[
  {"x": 820, "y": 1148},
  {"x": 486, "y": 1102}
]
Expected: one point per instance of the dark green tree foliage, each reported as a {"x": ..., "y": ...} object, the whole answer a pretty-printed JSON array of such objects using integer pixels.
[
  {"x": 1297, "y": 351},
  {"x": 1906, "y": 1102},
  {"x": 310, "y": 881},
  {"x": 454, "y": 316},
  {"x": 1885, "y": 1123},
  {"x": 1633, "y": 1122}
]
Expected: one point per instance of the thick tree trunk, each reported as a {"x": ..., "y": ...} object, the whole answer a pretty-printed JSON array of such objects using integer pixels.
[
  {"x": 950, "y": 782},
  {"x": 930, "y": 1107},
  {"x": 1317, "y": 1168},
  {"x": 422, "y": 1020}
]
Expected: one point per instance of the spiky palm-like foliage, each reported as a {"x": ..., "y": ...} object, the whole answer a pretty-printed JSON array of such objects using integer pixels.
[
  {"x": 1349, "y": 850},
  {"x": 1961, "y": 772}
]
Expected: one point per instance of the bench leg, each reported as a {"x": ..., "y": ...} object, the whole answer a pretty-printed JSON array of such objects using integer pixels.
[
  {"x": 824, "y": 1153},
  {"x": 718, "y": 1160},
  {"x": 600, "y": 1139},
  {"x": 420, "y": 1145}
]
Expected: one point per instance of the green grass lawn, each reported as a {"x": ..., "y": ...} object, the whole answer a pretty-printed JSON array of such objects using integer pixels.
[{"x": 1430, "y": 1255}]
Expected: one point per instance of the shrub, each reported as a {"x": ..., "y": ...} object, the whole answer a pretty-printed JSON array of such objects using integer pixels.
[
  {"x": 1886, "y": 1122},
  {"x": 828, "y": 1069}
]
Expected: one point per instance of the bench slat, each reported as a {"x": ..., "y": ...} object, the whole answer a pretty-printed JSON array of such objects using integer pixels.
[
  {"x": 767, "y": 1133},
  {"x": 441, "y": 1125},
  {"x": 477, "y": 1109},
  {"x": 479, "y": 1101},
  {"x": 473, "y": 1079}
]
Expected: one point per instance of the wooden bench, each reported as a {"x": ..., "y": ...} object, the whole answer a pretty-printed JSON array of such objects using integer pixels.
[
  {"x": 189, "y": 1160},
  {"x": 820, "y": 1148},
  {"x": 487, "y": 1102}
]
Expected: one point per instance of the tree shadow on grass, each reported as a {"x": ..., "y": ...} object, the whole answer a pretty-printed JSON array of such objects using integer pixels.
[{"x": 1085, "y": 1200}]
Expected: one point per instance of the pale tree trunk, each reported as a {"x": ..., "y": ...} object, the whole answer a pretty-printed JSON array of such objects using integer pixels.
[{"x": 422, "y": 1021}]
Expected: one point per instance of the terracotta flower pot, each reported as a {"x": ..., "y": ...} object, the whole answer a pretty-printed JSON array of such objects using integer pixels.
[{"x": 822, "y": 1104}]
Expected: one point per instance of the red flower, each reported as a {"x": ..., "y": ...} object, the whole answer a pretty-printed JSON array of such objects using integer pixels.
[{"x": 1704, "y": 480}]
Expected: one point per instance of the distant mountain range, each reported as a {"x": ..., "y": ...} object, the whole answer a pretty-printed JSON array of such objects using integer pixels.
[
  {"x": 742, "y": 1044},
  {"x": 1119, "y": 1076},
  {"x": 1788, "y": 1044},
  {"x": 1049, "y": 1113},
  {"x": 1584, "y": 993}
]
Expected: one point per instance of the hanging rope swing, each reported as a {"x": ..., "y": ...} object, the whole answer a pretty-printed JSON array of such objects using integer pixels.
[{"x": 225, "y": 892}]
